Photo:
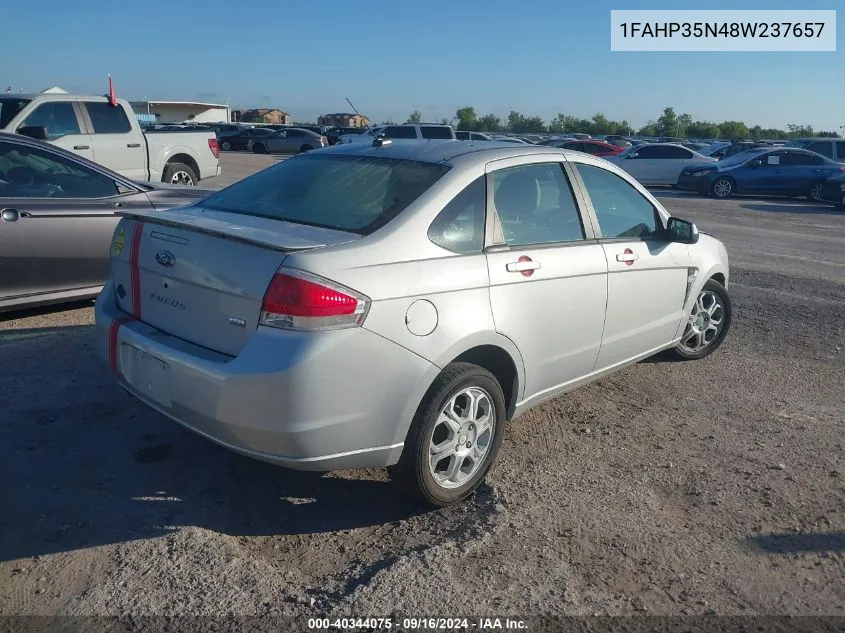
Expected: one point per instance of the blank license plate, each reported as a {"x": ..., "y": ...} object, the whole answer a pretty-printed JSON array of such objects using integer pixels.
[{"x": 148, "y": 374}]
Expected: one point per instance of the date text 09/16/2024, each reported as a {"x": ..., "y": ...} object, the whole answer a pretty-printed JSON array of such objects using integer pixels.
[{"x": 417, "y": 624}]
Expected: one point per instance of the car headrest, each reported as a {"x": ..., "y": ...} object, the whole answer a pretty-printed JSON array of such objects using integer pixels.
[{"x": 518, "y": 193}]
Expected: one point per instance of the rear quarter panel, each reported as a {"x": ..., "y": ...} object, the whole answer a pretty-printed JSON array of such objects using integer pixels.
[{"x": 163, "y": 146}]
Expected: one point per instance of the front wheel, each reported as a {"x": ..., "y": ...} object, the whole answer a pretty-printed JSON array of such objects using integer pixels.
[
  {"x": 226, "y": 146},
  {"x": 723, "y": 187},
  {"x": 708, "y": 322},
  {"x": 259, "y": 148},
  {"x": 454, "y": 437},
  {"x": 179, "y": 174}
]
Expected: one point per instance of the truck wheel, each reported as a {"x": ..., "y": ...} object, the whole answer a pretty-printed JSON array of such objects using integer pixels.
[
  {"x": 454, "y": 437},
  {"x": 179, "y": 174}
]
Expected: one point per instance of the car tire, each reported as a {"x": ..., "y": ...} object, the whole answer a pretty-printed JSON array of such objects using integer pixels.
[
  {"x": 179, "y": 174},
  {"x": 814, "y": 193},
  {"x": 259, "y": 148},
  {"x": 456, "y": 385},
  {"x": 723, "y": 187},
  {"x": 305, "y": 148},
  {"x": 226, "y": 146},
  {"x": 695, "y": 342}
]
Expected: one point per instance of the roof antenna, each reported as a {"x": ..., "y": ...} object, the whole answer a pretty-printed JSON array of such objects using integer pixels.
[{"x": 363, "y": 118}]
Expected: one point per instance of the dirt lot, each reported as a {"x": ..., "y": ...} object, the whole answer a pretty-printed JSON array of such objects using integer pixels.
[{"x": 670, "y": 488}]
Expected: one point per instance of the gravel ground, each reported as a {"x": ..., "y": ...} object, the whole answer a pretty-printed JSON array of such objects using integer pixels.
[{"x": 670, "y": 488}]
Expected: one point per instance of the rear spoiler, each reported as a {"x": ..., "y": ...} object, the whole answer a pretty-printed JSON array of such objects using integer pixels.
[{"x": 217, "y": 228}]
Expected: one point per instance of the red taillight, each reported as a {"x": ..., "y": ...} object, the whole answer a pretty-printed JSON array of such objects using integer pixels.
[
  {"x": 297, "y": 300},
  {"x": 214, "y": 147}
]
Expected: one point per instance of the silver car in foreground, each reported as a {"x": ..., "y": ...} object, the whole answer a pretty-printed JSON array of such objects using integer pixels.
[{"x": 394, "y": 303}]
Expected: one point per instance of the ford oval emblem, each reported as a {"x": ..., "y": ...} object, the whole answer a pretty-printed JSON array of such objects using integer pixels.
[{"x": 165, "y": 258}]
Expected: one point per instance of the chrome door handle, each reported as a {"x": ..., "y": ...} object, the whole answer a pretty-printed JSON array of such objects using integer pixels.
[
  {"x": 519, "y": 267},
  {"x": 10, "y": 215},
  {"x": 627, "y": 257},
  {"x": 117, "y": 205}
]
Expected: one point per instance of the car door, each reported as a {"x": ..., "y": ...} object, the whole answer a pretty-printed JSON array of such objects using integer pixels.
[
  {"x": 116, "y": 145},
  {"x": 644, "y": 164},
  {"x": 64, "y": 124},
  {"x": 294, "y": 140},
  {"x": 673, "y": 158},
  {"x": 64, "y": 212},
  {"x": 801, "y": 170},
  {"x": 548, "y": 277},
  {"x": 647, "y": 273}
]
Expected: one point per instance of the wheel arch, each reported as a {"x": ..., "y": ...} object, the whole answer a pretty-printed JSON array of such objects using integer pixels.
[{"x": 185, "y": 159}]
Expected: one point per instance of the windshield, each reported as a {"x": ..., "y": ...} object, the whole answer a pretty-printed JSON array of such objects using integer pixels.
[
  {"x": 9, "y": 109},
  {"x": 347, "y": 193}
]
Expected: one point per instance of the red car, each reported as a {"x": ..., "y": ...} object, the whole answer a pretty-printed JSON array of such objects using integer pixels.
[{"x": 594, "y": 147}]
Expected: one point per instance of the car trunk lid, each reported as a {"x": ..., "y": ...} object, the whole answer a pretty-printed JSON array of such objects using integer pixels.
[{"x": 201, "y": 275}]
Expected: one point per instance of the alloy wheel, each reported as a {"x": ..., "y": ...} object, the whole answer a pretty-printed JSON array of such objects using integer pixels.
[
  {"x": 722, "y": 188},
  {"x": 181, "y": 178},
  {"x": 705, "y": 322},
  {"x": 462, "y": 437}
]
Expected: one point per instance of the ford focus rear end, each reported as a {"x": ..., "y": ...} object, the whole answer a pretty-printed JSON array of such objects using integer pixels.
[{"x": 204, "y": 321}]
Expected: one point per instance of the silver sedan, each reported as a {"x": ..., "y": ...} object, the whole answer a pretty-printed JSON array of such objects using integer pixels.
[
  {"x": 394, "y": 303},
  {"x": 57, "y": 220}
]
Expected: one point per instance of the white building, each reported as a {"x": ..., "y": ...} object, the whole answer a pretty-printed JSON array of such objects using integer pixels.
[{"x": 179, "y": 111}]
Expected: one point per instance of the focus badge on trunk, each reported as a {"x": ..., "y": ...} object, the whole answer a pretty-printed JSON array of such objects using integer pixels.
[{"x": 165, "y": 258}]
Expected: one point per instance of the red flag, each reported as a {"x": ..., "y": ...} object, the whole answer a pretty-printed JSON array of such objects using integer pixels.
[{"x": 112, "y": 97}]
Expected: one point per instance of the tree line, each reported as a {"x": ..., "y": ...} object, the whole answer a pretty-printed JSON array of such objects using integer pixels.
[{"x": 667, "y": 124}]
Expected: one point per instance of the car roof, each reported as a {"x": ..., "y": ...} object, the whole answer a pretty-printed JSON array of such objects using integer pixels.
[{"x": 442, "y": 151}]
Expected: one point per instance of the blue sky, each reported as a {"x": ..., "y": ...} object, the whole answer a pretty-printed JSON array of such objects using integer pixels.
[{"x": 535, "y": 56}]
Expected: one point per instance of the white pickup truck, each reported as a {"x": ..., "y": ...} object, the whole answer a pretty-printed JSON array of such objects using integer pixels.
[{"x": 111, "y": 136}]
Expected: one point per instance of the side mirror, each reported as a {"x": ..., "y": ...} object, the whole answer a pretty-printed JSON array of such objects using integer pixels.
[
  {"x": 755, "y": 163},
  {"x": 682, "y": 231},
  {"x": 38, "y": 132},
  {"x": 634, "y": 155}
]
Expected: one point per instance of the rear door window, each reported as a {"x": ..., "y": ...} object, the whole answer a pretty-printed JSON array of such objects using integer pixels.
[
  {"x": 840, "y": 150},
  {"x": 436, "y": 132},
  {"x": 358, "y": 194},
  {"x": 107, "y": 119},
  {"x": 58, "y": 117}
]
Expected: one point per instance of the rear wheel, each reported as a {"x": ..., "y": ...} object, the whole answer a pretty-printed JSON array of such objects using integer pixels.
[
  {"x": 815, "y": 192},
  {"x": 305, "y": 148},
  {"x": 179, "y": 174},
  {"x": 454, "y": 437},
  {"x": 708, "y": 322},
  {"x": 723, "y": 187},
  {"x": 226, "y": 146},
  {"x": 259, "y": 148}
]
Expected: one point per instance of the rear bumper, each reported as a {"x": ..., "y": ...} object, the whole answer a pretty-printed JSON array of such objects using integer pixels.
[
  {"x": 701, "y": 184},
  {"x": 321, "y": 401}
]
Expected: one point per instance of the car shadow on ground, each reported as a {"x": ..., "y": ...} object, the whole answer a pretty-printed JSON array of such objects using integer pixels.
[
  {"x": 5, "y": 317},
  {"x": 85, "y": 464},
  {"x": 796, "y": 543},
  {"x": 806, "y": 208}
]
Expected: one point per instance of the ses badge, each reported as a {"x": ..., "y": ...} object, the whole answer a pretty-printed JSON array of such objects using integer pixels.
[{"x": 119, "y": 241}]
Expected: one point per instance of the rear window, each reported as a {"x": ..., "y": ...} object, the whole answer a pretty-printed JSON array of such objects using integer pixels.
[
  {"x": 348, "y": 193},
  {"x": 107, "y": 119}
]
